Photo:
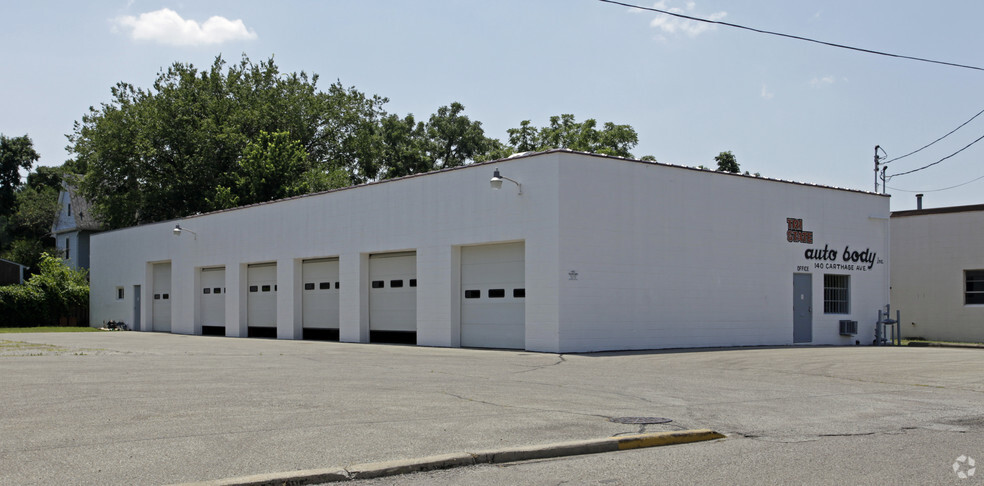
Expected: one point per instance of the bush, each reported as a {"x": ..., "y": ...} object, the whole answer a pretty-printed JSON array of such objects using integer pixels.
[{"x": 56, "y": 295}]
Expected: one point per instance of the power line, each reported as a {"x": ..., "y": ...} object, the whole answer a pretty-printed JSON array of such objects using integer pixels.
[
  {"x": 937, "y": 140},
  {"x": 941, "y": 189},
  {"x": 789, "y": 36},
  {"x": 938, "y": 161}
]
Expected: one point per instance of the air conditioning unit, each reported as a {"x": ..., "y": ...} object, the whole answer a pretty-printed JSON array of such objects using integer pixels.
[{"x": 848, "y": 328}]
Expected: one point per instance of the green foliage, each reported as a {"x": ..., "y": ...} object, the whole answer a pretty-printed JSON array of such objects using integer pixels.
[
  {"x": 271, "y": 167},
  {"x": 55, "y": 292},
  {"x": 16, "y": 153},
  {"x": 26, "y": 232},
  {"x": 726, "y": 162},
  {"x": 565, "y": 132},
  {"x": 165, "y": 152},
  {"x": 454, "y": 138},
  {"x": 28, "y": 252},
  {"x": 47, "y": 177},
  {"x": 404, "y": 146}
]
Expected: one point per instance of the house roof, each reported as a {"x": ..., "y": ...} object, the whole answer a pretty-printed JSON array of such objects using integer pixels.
[
  {"x": 85, "y": 220},
  {"x": 948, "y": 209},
  {"x": 12, "y": 263}
]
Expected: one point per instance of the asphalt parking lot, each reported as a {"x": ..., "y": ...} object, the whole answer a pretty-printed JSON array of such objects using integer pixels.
[{"x": 147, "y": 408}]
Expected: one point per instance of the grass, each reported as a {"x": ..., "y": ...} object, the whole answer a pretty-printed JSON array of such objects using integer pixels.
[
  {"x": 905, "y": 342},
  {"x": 7, "y": 330}
]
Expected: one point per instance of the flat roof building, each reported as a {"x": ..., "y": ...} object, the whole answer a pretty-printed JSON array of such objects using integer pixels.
[
  {"x": 938, "y": 272},
  {"x": 575, "y": 252}
]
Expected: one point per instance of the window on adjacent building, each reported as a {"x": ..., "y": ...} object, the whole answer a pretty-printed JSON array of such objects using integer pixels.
[
  {"x": 973, "y": 287},
  {"x": 836, "y": 294},
  {"x": 68, "y": 248},
  {"x": 119, "y": 293},
  {"x": 68, "y": 207}
]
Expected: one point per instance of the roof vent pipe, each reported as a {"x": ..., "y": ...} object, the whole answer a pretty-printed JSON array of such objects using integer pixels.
[{"x": 919, "y": 201}]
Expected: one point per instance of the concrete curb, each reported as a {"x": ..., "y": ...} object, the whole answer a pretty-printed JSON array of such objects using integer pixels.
[{"x": 446, "y": 461}]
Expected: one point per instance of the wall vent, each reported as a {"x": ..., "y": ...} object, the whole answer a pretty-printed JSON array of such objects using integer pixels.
[{"x": 848, "y": 328}]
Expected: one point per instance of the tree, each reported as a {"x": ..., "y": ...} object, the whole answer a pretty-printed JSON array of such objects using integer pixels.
[
  {"x": 404, "y": 146},
  {"x": 16, "y": 153},
  {"x": 176, "y": 148},
  {"x": 28, "y": 229},
  {"x": 275, "y": 167},
  {"x": 565, "y": 131},
  {"x": 454, "y": 139},
  {"x": 727, "y": 163}
]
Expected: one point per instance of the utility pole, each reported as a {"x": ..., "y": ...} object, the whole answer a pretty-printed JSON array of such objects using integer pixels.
[
  {"x": 877, "y": 162},
  {"x": 876, "y": 168}
]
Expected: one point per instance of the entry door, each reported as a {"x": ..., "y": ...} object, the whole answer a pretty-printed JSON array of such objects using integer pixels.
[
  {"x": 162, "y": 298},
  {"x": 802, "y": 308},
  {"x": 136, "y": 308}
]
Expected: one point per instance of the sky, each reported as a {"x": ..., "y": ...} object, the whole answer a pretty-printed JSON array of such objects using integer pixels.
[{"x": 787, "y": 109}]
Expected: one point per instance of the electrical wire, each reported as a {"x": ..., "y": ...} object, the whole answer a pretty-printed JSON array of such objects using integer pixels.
[
  {"x": 790, "y": 36},
  {"x": 938, "y": 161},
  {"x": 937, "y": 140},
  {"x": 938, "y": 190}
]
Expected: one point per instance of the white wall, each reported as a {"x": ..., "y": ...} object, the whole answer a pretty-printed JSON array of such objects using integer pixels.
[
  {"x": 432, "y": 214},
  {"x": 665, "y": 256},
  {"x": 930, "y": 252},
  {"x": 676, "y": 257}
]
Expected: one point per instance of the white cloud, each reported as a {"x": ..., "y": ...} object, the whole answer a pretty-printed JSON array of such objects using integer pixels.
[
  {"x": 671, "y": 25},
  {"x": 165, "y": 26},
  {"x": 821, "y": 82},
  {"x": 766, "y": 94}
]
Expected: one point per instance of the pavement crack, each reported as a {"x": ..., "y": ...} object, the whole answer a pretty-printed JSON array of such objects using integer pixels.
[{"x": 560, "y": 359}]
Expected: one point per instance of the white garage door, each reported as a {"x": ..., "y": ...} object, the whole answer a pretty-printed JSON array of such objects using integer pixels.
[
  {"x": 211, "y": 293},
  {"x": 320, "y": 297},
  {"x": 162, "y": 297},
  {"x": 493, "y": 291},
  {"x": 393, "y": 292},
  {"x": 261, "y": 297}
]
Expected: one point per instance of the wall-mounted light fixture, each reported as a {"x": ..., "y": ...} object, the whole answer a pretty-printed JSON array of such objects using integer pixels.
[
  {"x": 497, "y": 179},
  {"x": 178, "y": 229}
]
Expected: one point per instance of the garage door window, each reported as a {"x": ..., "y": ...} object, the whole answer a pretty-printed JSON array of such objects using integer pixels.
[
  {"x": 836, "y": 294},
  {"x": 519, "y": 293},
  {"x": 497, "y": 293},
  {"x": 974, "y": 287},
  {"x": 473, "y": 294}
]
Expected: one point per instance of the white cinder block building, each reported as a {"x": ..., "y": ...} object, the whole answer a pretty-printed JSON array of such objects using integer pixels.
[
  {"x": 575, "y": 252},
  {"x": 938, "y": 272}
]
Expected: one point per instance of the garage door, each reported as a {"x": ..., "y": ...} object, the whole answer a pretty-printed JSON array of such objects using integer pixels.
[
  {"x": 319, "y": 311},
  {"x": 393, "y": 296},
  {"x": 493, "y": 294},
  {"x": 162, "y": 297},
  {"x": 261, "y": 300},
  {"x": 211, "y": 293}
]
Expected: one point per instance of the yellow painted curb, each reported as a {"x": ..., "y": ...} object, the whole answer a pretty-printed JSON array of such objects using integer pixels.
[{"x": 656, "y": 439}]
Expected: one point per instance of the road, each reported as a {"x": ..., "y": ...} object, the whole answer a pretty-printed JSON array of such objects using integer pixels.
[{"x": 146, "y": 408}]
